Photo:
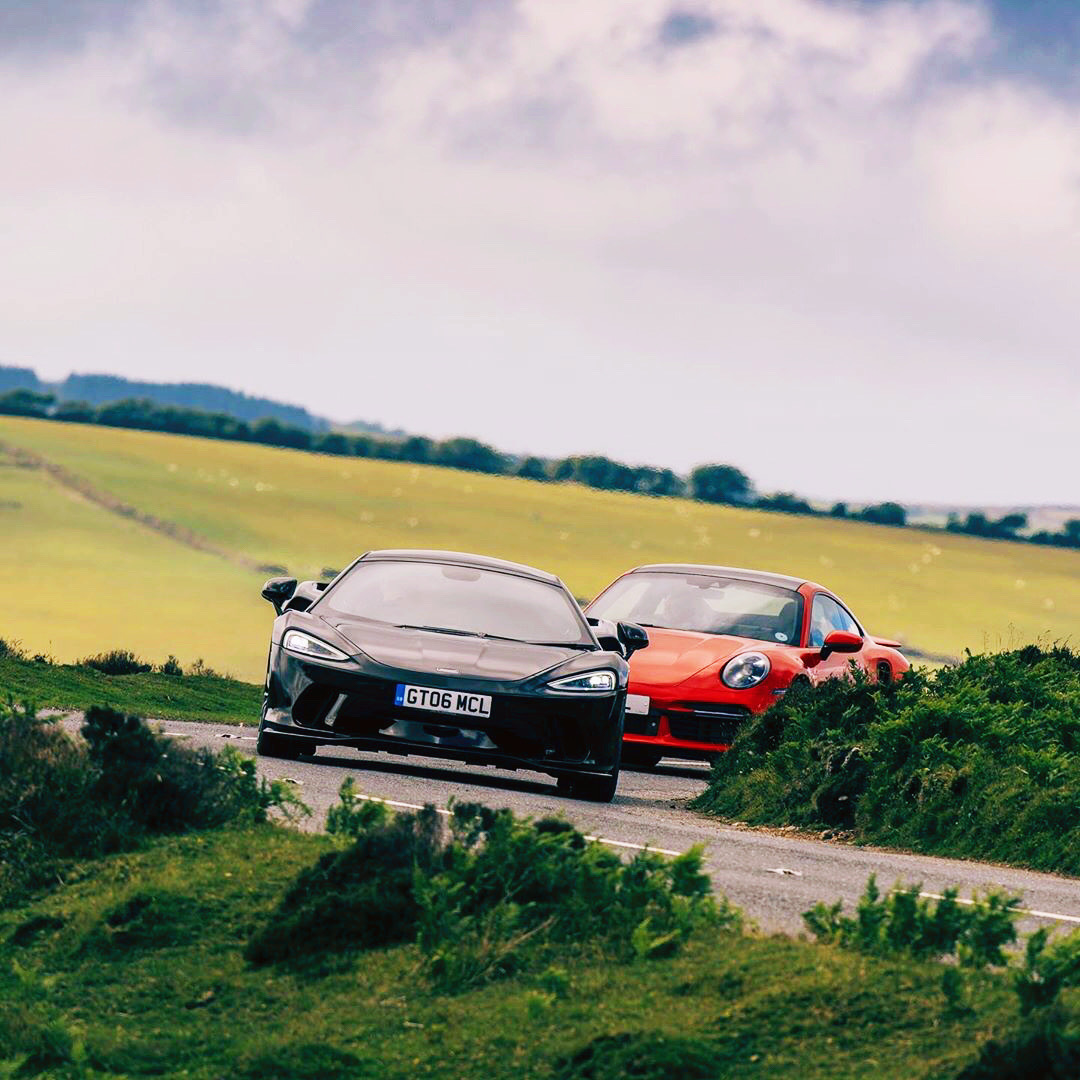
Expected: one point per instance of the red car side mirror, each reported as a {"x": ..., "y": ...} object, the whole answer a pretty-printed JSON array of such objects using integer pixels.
[{"x": 841, "y": 641}]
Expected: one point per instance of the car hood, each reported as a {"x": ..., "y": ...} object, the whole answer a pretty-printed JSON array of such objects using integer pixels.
[
  {"x": 450, "y": 654},
  {"x": 673, "y": 656}
]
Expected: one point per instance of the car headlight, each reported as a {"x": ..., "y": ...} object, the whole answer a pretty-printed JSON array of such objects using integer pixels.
[
  {"x": 296, "y": 641},
  {"x": 745, "y": 670},
  {"x": 591, "y": 682}
]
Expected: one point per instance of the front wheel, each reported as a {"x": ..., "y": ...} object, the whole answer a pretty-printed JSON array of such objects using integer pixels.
[
  {"x": 590, "y": 786},
  {"x": 270, "y": 744}
]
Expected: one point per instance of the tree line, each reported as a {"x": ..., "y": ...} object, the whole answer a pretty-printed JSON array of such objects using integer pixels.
[{"x": 713, "y": 483}]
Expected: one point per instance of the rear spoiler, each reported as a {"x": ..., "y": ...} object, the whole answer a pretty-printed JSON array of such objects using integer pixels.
[{"x": 887, "y": 642}]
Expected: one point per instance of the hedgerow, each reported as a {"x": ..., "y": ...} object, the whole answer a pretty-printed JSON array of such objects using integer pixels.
[{"x": 980, "y": 759}]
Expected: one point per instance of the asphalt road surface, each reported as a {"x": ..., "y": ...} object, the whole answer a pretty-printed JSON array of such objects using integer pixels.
[{"x": 773, "y": 875}]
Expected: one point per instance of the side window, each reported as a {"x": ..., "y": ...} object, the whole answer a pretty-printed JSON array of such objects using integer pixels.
[{"x": 825, "y": 617}]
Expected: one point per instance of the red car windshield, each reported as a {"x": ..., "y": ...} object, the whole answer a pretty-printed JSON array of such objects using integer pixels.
[{"x": 705, "y": 604}]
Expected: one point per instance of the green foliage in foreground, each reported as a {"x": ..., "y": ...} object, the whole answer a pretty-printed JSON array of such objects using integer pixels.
[
  {"x": 486, "y": 896},
  {"x": 136, "y": 968},
  {"x": 63, "y": 799},
  {"x": 977, "y": 760},
  {"x": 166, "y": 694}
]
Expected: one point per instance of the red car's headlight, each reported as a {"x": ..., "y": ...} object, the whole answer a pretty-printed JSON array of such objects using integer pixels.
[{"x": 745, "y": 670}]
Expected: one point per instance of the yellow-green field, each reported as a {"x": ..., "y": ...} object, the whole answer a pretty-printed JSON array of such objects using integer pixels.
[{"x": 77, "y": 578}]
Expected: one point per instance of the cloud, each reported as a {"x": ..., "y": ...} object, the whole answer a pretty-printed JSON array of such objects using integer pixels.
[{"x": 832, "y": 243}]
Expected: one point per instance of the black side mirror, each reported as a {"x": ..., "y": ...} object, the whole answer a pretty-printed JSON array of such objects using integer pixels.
[
  {"x": 307, "y": 592},
  {"x": 278, "y": 591},
  {"x": 632, "y": 637}
]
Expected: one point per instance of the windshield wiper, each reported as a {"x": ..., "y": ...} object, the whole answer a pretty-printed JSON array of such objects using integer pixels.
[
  {"x": 564, "y": 644},
  {"x": 439, "y": 630}
]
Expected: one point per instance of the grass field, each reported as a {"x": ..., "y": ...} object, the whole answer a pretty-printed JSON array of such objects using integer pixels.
[
  {"x": 135, "y": 968},
  {"x": 77, "y": 578}
]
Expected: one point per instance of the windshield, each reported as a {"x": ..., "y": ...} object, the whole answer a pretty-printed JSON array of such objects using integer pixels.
[
  {"x": 458, "y": 599},
  {"x": 708, "y": 605}
]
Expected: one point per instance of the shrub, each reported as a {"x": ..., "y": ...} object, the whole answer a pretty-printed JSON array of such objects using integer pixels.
[
  {"x": 117, "y": 662},
  {"x": 360, "y": 898},
  {"x": 979, "y": 759},
  {"x": 905, "y": 923},
  {"x": 62, "y": 799},
  {"x": 483, "y": 897},
  {"x": 171, "y": 667}
]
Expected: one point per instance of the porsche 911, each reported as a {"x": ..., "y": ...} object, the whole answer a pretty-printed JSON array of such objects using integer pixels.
[{"x": 724, "y": 644}]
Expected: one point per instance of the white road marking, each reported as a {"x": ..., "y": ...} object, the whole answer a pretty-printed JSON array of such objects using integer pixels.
[{"x": 1020, "y": 911}]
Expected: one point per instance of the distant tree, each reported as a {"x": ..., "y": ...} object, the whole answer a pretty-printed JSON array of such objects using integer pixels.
[
  {"x": 130, "y": 413},
  {"x": 333, "y": 442},
  {"x": 273, "y": 432},
  {"x": 839, "y": 510},
  {"x": 650, "y": 481},
  {"x": 784, "y": 501},
  {"x": 563, "y": 469},
  {"x": 417, "y": 449},
  {"x": 720, "y": 484},
  {"x": 463, "y": 453},
  {"x": 1071, "y": 532},
  {"x": 76, "y": 412},
  {"x": 1009, "y": 525},
  {"x": 886, "y": 513},
  {"x": 26, "y": 403},
  {"x": 531, "y": 468}
]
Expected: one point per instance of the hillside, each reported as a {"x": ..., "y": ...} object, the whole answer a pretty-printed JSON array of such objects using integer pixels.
[
  {"x": 102, "y": 579},
  {"x": 104, "y": 389}
]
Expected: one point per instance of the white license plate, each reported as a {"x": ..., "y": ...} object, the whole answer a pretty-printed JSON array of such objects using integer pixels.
[
  {"x": 637, "y": 704},
  {"x": 444, "y": 701}
]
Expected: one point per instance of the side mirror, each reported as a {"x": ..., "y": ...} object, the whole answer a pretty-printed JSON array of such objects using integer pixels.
[
  {"x": 307, "y": 592},
  {"x": 632, "y": 637},
  {"x": 841, "y": 641},
  {"x": 278, "y": 590}
]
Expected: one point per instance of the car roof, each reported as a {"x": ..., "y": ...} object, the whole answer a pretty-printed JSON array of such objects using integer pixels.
[
  {"x": 738, "y": 573},
  {"x": 462, "y": 558}
]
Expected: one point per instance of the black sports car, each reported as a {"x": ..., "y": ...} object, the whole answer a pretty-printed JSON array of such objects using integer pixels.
[{"x": 458, "y": 656}]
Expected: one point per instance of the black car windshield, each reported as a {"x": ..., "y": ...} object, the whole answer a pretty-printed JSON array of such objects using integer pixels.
[
  {"x": 458, "y": 599},
  {"x": 706, "y": 604}
]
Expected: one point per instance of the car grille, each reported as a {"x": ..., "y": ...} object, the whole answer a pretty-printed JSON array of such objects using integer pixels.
[{"x": 706, "y": 722}]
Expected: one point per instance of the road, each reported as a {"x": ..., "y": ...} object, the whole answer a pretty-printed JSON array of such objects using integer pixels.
[{"x": 774, "y": 876}]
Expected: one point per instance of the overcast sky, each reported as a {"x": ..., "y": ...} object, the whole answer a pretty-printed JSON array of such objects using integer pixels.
[{"x": 834, "y": 242}]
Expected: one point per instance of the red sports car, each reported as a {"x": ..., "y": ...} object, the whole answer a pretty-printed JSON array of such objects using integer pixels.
[{"x": 725, "y": 644}]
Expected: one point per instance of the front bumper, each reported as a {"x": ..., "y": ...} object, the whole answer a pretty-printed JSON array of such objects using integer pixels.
[
  {"x": 687, "y": 729},
  {"x": 559, "y": 734}
]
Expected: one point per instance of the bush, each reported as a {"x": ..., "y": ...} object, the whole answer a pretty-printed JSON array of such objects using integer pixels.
[
  {"x": 171, "y": 667},
  {"x": 979, "y": 760},
  {"x": 62, "y": 799},
  {"x": 483, "y": 897},
  {"x": 905, "y": 923},
  {"x": 117, "y": 662}
]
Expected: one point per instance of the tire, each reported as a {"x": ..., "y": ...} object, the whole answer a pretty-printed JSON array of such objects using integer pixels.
[
  {"x": 595, "y": 788},
  {"x": 638, "y": 757},
  {"x": 279, "y": 746}
]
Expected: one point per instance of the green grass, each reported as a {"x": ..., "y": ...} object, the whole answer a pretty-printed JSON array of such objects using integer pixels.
[
  {"x": 135, "y": 968},
  {"x": 164, "y": 697},
  {"x": 98, "y": 578}
]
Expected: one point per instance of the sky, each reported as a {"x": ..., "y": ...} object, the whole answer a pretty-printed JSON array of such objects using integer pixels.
[{"x": 833, "y": 242}]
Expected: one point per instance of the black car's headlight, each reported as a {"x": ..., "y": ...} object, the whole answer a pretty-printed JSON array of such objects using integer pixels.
[
  {"x": 745, "y": 670},
  {"x": 591, "y": 682},
  {"x": 296, "y": 641}
]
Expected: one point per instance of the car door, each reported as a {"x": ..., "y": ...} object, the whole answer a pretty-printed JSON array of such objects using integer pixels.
[{"x": 826, "y": 615}]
